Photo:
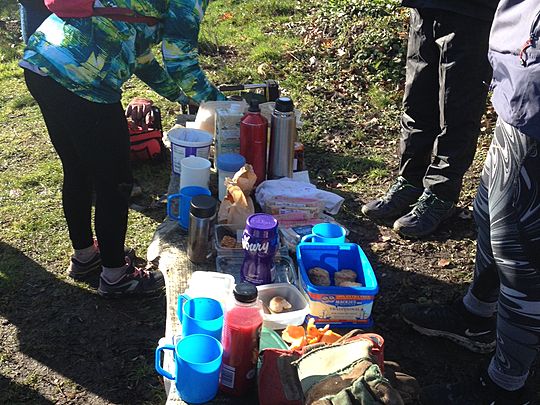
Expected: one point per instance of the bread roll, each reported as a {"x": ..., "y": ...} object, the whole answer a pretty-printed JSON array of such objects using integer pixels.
[
  {"x": 344, "y": 275},
  {"x": 279, "y": 304},
  {"x": 319, "y": 276}
]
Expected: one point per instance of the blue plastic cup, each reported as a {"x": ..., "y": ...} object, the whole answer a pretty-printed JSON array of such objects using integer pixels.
[
  {"x": 200, "y": 315},
  {"x": 184, "y": 196},
  {"x": 329, "y": 233},
  {"x": 197, "y": 361}
]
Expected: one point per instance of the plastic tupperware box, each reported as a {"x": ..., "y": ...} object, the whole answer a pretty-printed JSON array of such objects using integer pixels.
[
  {"x": 295, "y": 316},
  {"x": 337, "y": 306},
  {"x": 285, "y": 270}
]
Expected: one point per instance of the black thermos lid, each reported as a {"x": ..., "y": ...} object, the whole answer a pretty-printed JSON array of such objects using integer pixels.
[
  {"x": 203, "y": 206},
  {"x": 284, "y": 104},
  {"x": 245, "y": 292},
  {"x": 254, "y": 106}
]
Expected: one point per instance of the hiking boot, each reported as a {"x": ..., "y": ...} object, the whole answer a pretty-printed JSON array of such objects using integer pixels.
[
  {"x": 396, "y": 202},
  {"x": 452, "y": 322},
  {"x": 480, "y": 391},
  {"x": 426, "y": 215},
  {"x": 135, "y": 281},
  {"x": 80, "y": 271}
]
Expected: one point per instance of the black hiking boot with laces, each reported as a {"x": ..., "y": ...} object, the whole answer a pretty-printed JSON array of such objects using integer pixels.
[
  {"x": 452, "y": 322},
  {"x": 425, "y": 217},
  {"x": 478, "y": 391},
  {"x": 397, "y": 201}
]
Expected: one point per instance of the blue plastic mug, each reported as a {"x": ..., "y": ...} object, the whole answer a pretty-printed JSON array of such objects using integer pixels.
[
  {"x": 200, "y": 315},
  {"x": 184, "y": 196},
  {"x": 197, "y": 360},
  {"x": 329, "y": 233}
]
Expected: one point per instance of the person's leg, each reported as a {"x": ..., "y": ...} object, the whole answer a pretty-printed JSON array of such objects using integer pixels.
[
  {"x": 464, "y": 77},
  {"x": 420, "y": 120},
  {"x": 92, "y": 141},
  {"x": 53, "y": 101},
  {"x": 511, "y": 248},
  {"x": 464, "y": 72},
  {"x": 514, "y": 204},
  {"x": 481, "y": 298}
]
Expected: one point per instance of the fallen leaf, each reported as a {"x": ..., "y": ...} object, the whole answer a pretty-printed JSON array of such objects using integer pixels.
[
  {"x": 379, "y": 246},
  {"x": 226, "y": 16},
  {"x": 443, "y": 263}
]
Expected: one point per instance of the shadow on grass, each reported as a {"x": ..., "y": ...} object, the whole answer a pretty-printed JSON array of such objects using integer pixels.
[
  {"x": 14, "y": 394},
  {"x": 103, "y": 348}
]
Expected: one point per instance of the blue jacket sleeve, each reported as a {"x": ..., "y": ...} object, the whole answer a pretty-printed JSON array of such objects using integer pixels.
[{"x": 180, "y": 50}]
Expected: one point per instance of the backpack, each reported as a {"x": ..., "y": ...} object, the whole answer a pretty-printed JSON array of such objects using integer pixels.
[
  {"x": 85, "y": 8},
  {"x": 147, "y": 145}
]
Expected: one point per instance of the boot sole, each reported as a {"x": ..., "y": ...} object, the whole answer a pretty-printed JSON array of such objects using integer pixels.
[
  {"x": 473, "y": 346},
  {"x": 122, "y": 295}
]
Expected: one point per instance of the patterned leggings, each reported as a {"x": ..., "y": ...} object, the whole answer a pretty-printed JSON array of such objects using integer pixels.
[{"x": 507, "y": 273}]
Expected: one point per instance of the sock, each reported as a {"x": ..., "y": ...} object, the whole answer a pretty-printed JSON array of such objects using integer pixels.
[
  {"x": 86, "y": 254},
  {"x": 477, "y": 307},
  {"x": 113, "y": 274},
  {"x": 505, "y": 381}
]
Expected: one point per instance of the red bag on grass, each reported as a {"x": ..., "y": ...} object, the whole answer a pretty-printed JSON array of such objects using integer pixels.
[{"x": 147, "y": 144}]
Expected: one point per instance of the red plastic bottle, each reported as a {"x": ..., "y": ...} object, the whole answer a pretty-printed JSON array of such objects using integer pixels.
[
  {"x": 253, "y": 139},
  {"x": 240, "y": 339}
]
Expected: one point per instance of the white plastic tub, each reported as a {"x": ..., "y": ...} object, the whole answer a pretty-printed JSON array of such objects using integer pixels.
[
  {"x": 187, "y": 142},
  {"x": 295, "y": 316}
]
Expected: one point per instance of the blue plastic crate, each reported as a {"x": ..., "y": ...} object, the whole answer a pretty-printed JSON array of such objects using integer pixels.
[{"x": 338, "y": 306}]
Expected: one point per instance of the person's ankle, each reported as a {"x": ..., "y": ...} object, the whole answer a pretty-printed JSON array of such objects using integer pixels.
[
  {"x": 113, "y": 274},
  {"x": 86, "y": 254}
]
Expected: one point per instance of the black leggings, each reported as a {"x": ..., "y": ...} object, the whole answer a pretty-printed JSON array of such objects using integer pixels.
[{"x": 92, "y": 141}]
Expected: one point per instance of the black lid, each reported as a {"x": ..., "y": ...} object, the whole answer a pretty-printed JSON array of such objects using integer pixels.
[
  {"x": 284, "y": 104},
  {"x": 254, "y": 106},
  {"x": 203, "y": 206},
  {"x": 245, "y": 292}
]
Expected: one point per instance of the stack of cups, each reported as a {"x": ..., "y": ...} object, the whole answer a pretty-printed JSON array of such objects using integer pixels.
[{"x": 198, "y": 354}]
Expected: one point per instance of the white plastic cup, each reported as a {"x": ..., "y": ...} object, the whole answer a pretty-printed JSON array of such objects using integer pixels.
[
  {"x": 187, "y": 142},
  {"x": 195, "y": 172}
]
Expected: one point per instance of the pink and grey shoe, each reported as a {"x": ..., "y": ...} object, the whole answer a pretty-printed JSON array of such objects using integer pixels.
[
  {"x": 80, "y": 271},
  {"x": 134, "y": 282}
]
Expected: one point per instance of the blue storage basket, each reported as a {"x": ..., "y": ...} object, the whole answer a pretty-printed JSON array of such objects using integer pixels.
[{"x": 338, "y": 306}]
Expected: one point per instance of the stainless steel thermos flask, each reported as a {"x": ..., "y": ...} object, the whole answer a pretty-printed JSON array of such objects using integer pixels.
[
  {"x": 282, "y": 138},
  {"x": 202, "y": 215}
]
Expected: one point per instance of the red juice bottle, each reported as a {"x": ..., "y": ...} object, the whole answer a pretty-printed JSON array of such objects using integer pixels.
[
  {"x": 240, "y": 339},
  {"x": 253, "y": 139}
]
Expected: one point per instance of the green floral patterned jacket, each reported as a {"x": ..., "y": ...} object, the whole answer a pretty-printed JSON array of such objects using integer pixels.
[{"x": 93, "y": 57}]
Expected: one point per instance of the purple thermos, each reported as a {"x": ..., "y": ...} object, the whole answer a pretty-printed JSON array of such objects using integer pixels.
[{"x": 260, "y": 242}]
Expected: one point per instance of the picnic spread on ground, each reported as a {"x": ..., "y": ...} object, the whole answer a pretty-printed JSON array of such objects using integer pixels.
[{"x": 269, "y": 275}]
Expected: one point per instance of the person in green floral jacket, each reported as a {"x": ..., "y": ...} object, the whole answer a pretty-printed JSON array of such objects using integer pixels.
[{"x": 75, "y": 69}]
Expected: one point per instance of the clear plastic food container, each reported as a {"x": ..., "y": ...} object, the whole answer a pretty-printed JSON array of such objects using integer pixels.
[
  {"x": 295, "y": 316},
  {"x": 285, "y": 268}
]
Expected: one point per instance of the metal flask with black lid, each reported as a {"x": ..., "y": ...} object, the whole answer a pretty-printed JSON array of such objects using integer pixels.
[
  {"x": 282, "y": 138},
  {"x": 202, "y": 218}
]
